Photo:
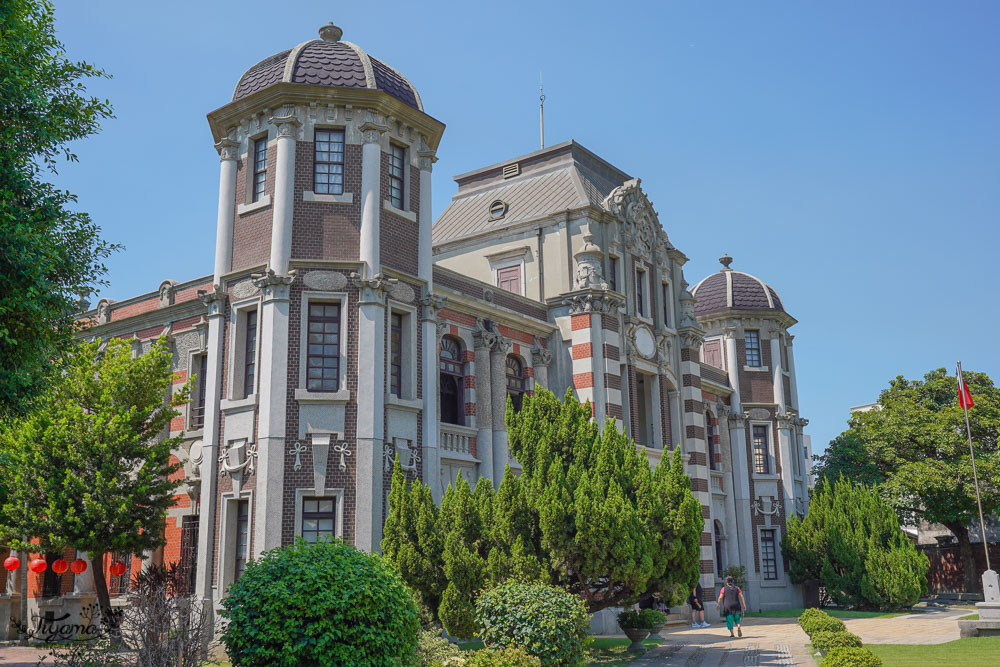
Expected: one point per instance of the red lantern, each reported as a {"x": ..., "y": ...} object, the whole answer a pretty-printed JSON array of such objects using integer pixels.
[
  {"x": 12, "y": 563},
  {"x": 59, "y": 566},
  {"x": 79, "y": 566},
  {"x": 37, "y": 565},
  {"x": 117, "y": 569}
]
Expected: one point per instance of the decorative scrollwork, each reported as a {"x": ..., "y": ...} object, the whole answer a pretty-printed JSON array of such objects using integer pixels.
[
  {"x": 343, "y": 449},
  {"x": 297, "y": 451},
  {"x": 766, "y": 507}
]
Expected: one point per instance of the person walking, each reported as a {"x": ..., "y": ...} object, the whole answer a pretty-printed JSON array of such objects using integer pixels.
[
  {"x": 696, "y": 600},
  {"x": 732, "y": 605}
]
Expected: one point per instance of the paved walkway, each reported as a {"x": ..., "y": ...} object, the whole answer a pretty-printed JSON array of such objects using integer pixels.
[{"x": 780, "y": 641}]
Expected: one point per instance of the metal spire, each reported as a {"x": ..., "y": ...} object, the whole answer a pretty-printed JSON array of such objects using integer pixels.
[{"x": 541, "y": 108}]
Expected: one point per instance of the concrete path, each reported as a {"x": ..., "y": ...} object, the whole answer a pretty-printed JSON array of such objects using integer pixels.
[{"x": 780, "y": 641}]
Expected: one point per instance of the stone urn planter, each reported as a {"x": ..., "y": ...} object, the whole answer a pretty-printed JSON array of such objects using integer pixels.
[
  {"x": 654, "y": 632},
  {"x": 636, "y": 635}
]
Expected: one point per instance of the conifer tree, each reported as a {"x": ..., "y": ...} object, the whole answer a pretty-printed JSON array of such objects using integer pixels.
[
  {"x": 464, "y": 567},
  {"x": 851, "y": 542}
]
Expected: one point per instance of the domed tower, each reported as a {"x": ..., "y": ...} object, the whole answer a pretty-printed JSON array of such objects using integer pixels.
[
  {"x": 315, "y": 335},
  {"x": 747, "y": 339}
]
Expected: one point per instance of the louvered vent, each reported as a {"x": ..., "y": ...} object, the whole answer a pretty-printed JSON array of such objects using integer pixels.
[{"x": 511, "y": 170}]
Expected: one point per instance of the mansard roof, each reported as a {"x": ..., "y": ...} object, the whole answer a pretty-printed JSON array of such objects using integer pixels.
[{"x": 555, "y": 179}]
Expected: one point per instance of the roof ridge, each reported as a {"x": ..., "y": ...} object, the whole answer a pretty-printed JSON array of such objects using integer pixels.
[
  {"x": 366, "y": 63},
  {"x": 293, "y": 60}
]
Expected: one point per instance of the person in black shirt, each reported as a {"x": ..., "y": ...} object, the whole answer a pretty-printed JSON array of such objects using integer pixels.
[
  {"x": 732, "y": 605},
  {"x": 697, "y": 603}
]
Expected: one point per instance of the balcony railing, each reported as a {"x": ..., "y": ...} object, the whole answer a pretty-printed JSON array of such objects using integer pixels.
[{"x": 456, "y": 439}]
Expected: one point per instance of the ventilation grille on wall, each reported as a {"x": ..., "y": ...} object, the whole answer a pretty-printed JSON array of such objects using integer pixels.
[{"x": 511, "y": 170}]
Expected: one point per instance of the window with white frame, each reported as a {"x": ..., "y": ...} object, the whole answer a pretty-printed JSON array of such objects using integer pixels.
[
  {"x": 761, "y": 451},
  {"x": 451, "y": 382},
  {"x": 199, "y": 364},
  {"x": 401, "y": 345},
  {"x": 640, "y": 292},
  {"x": 319, "y": 518},
  {"x": 397, "y": 175},
  {"x": 328, "y": 162},
  {"x": 323, "y": 346},
  {"x": 751, "y": 340},
  {"x": 259, "y": 182},
  {"x": 769, "y": 554},
  {"x": 248, "y": 349},
  {"x": 242, "y": 551}
]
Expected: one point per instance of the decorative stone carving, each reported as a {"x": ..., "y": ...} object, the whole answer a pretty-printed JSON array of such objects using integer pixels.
[
  {"x": 687, "y": 318},
  {"x": 329, "y": 281},
  {"x": 238, "y": 461},
  {"x": 589, "y": 273},
  {"x": 488, "y": 295},
  {"x": 766, "y": 506},
  {"x": 215, "y": 300},
  {"x": 541, "y": 357},
  {"x": 409, "y": 457},
  {"x": 229, "y": 149},
  {"x": 287, "y": 122},
  {"x": 244, "y": 289},
  {"x": 801, "y": 423},
  {"x": 483, "y": 336},
  {"x": 758, "y": 414},
  {"x": 425, "y": 156},
  {"x": 643, "y": 341},
  {"x": 786, "y": 420},
  {"x": 166, "y": 292},
  {"x": 343, "y": 449},
  {"x": 595, "y": 302},
  {"x": 663, "y": 345},
  {"x": 629, "y": 204},
  {"x": 692, "y": 338},
  {"x": 403, "y": 293},
  {"x": 737, "y": 420},
  {"x": 430, "y": 304},
  {"x": 272, "y": 285},
  {"x": 320, "y": 455},
  {"x": 202, "y": 328},
  {"x": 372, "y": 290},
  {"x": 373, "y": 127},
  {"x": 104, "y": 310},
  {"x": 297, "y": 451}
]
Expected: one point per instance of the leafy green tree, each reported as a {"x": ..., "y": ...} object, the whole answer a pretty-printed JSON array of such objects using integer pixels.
[
  {"x": 49, "y": 254},
  {"x": 89, "y": 467},
  {"x": 851, "y": 542},
  {"x": 411, "y": 539},
  {"x": 846, "y": 457},
  {"x": 917, "y": 443}
]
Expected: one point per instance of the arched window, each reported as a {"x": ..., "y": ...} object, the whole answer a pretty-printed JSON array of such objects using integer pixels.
[
  {"x": 720, "y": 564},
  {"x": 452, "y": 382},
  {"x": 515, "y": 380},
  {"x": 711, "y": 437}
]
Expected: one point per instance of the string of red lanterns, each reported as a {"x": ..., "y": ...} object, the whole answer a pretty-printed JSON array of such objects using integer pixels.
[{"x": 59, "y": 566}]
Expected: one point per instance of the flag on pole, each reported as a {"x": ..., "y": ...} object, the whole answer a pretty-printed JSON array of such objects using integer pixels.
[{"x": 964, "y": 395}]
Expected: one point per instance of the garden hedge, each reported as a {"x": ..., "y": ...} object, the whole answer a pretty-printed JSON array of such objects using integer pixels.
[
  {"x": 824, "y": 640},
  {"x": 506, "y": 657},
  {"x": 842, "y": 656}
]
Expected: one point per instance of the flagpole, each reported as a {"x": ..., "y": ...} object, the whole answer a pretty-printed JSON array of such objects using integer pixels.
[{"x": 972, "y": 453}]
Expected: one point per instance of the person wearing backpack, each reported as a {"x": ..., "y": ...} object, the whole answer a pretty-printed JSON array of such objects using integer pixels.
[{"x": 732, "y": 605}]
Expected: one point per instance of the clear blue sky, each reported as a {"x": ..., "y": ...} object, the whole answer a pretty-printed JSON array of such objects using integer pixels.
[{"x": 848, "y": 153}]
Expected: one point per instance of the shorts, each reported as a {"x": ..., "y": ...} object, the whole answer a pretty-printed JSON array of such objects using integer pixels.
[{"x": 696, "y": 604}]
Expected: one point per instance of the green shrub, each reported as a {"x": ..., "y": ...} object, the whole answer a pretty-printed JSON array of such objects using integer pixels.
[
  {"x": 821, "y": 624},
  {"x": 319, "y": 604},
  {"x": 630, "y": 618},
  {"x": 824, "y": 640},
  {"x": 506, "y": 657},
  {"x": 650, "y": 618},
  {"x": 851, "y": 657},
  {"x": 811, "y": 613},
  {"x": 545, "y": 621},
  {"x": 433, "y": 650}
]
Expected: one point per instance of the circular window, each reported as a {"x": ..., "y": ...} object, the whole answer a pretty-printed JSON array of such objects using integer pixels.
[{"x": 498, "y": 209}]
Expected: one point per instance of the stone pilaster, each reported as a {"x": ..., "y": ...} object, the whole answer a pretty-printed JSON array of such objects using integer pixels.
[
  {"x": 228, "y": 156},
  {"x": 284, "y": 187},
  {"x": 499, "y": 350},
  {"x": 482, "y": 342},
  {"x": 430, "y": 304},
  {"x": 371, "y": 186},
  {"x": 540, "y": 360}
]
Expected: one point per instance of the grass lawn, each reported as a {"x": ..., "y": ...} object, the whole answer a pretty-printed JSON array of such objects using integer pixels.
[
  {"x": 837, "y": 613},
  {"x": 970, "y": 617},
  {"x": 968, "y": 652}
]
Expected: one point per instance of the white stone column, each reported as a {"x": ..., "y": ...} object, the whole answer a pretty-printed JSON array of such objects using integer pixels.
[
  {"x": 371, "y": 410},
  {"x": 430, "y": 305},
  {"x": 785, "y": 446},
  {"x": 482, "y": 341},
  {"x": 271, "y": 418},
  {"x": 215, "y": 302},
  {"x": 655, "y": 410},
  {"x": 425, "y": 262},
  {"x": 741, "y": 487},
  {"x": 228, "y": 154},
  {"x": 498, "y": 388},
  {"x": 540, "y": 360},
  {"x": 284, "y": 188},
  {"x": 83, "y": 583},
  {"x": 776, "y": 374},
  {"x": 371, "y": 190},
  {"x": 791, "y": 373}
]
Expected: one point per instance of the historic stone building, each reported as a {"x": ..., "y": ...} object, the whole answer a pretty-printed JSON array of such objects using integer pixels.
[{"x": 342, "y": 326}]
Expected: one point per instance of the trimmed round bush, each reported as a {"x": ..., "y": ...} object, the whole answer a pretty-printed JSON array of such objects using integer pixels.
[
  {"x": 433, "y": 650},
  {"x": 319, "y": 604},
  {"x": 820, "y": 622},
  {"x": 825, "y": 640},
  {"x": 544, "y": 621},
  {"x": 504, "y": 657},
  {"x": 843, "y": 656}
]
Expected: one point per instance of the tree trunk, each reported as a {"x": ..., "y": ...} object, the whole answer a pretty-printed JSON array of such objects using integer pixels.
[
  {"x": 108, "y": 619},
  {"x": 968, "y": 559}
]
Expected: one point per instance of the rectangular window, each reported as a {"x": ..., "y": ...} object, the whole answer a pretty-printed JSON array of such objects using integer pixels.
[
  {"x": 198, "y": 407},
  {"x": 640, "y": 292},
  {"x": 397, "y": 164},
  {"x": 396, "y": 355},
  {"x": 784, "y": 356},
  {"x": 666, "y": 304},
  {"x": 752, "y": 340},
  {"x": 319, "y": 519},
  {"x": 259, "y": 168},
  {"x": 328, "y": 162},
  {"x": 509, "y": 279},
  {"x": 613, "y": 273},
  {"x": 713, "y": 353},
  {"x": 761, "y": 460},
  {"x": 323, "y": 359},
  {"x": 250, "y": 352},
  {"x": 242, "y": 551},
  {"x": 768, "y": 554}
]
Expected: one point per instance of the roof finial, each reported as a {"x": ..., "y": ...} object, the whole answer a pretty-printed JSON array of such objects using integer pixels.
[
  {"x": 726, "y": 260},
  {"x": 330, "y": 33}
]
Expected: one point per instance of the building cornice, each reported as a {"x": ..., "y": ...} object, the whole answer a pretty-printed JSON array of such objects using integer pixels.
[{"x": 463, "y": 303}]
